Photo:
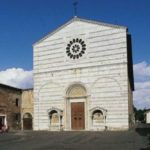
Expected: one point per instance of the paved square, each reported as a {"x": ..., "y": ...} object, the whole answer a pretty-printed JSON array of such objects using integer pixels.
[{"x": 138, "y": 139}]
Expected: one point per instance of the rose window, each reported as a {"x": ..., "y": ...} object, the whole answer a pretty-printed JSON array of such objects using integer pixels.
[{"x": 76, "y": 48}]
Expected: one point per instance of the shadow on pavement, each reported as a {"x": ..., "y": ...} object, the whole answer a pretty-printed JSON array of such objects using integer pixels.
[{"x": 144, "y": 130}]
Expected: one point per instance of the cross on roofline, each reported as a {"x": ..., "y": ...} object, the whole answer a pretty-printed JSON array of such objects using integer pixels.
[{"x": 75, "y": 3}]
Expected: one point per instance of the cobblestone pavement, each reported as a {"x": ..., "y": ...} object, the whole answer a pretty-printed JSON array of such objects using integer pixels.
[{"x": 137, "y": 139}]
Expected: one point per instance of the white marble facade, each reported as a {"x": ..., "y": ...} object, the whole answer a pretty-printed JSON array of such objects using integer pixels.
[
  {"x": 85, "y": 62},
  {"x": 147, "y": 115}
]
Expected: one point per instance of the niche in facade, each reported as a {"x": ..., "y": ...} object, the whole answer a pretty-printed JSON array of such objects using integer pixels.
[
  {"x": 54, "y": 117},
  {"x": 97, "y": 117}
]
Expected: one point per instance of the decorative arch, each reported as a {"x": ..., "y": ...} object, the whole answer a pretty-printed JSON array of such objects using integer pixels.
[
  {"x": 55, "y": 110},
  {"x": 105, "y": 87},
  {"x": 104, "y": 111},
  {"x": 108, "y": 78},
  {"x": 47, "y": 85},
  {"x": 76, "y": 90},
  {"x": 27, "y": 115}
]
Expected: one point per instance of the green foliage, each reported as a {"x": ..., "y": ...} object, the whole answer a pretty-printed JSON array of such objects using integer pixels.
[{"x": 139, "y": 114}]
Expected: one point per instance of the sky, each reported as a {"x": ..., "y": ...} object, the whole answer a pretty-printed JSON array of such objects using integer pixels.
[{"x": 23, "y": 22}]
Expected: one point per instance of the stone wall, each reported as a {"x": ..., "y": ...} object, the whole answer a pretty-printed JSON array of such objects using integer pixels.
[
  {"x": 10, "y": 105},
  {"x": 27, "y": 104}
]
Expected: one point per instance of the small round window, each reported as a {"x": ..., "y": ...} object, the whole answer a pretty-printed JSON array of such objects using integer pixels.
[{"x": 76, "y": 48}]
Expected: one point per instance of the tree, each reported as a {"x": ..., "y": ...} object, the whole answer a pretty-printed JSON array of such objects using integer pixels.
[{"x": 139, "y": 114}]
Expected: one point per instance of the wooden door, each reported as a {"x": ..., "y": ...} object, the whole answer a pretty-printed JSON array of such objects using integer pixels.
[
  {"x": 27, "y": 123},
  {"x": 77, "y": 116}
]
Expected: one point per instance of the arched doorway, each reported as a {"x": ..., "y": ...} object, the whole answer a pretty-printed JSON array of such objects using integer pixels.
[
  {"x": 27, "y": 121},
  {"x": 76, "y": 106}
]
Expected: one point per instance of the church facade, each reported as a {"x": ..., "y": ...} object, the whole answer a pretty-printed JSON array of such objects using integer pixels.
[{"x": 83, "y": 78}]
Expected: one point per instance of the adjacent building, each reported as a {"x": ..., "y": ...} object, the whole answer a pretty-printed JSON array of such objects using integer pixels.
[
  {"x": 10, "y": 107},
  {"x": 147, "y": 116},
  {"x": 16, "y": 108},
  {"x": 83, "y": 77},
  {"x": 27, "y": 109}
]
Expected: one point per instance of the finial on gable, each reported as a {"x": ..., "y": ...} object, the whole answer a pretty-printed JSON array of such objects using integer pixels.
[{"x": 75, "y": 3}]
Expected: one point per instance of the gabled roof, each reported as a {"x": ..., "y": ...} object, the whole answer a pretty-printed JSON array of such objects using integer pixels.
[
  {"x": 13, "y": 88},
  {"x": 9, "y": 87},
  {"x": 82, "y": 20}
]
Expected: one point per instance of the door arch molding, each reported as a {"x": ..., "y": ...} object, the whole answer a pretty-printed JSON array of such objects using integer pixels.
[{"x": 76, "y": 94}]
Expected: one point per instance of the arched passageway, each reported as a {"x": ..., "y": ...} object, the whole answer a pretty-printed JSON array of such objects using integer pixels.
[{"x": 27, "y": 121}]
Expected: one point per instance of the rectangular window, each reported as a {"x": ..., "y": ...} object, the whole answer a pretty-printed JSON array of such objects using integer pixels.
[
  {"x": 17, "y": 117},
  {"x": 17, "y": 102}
]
